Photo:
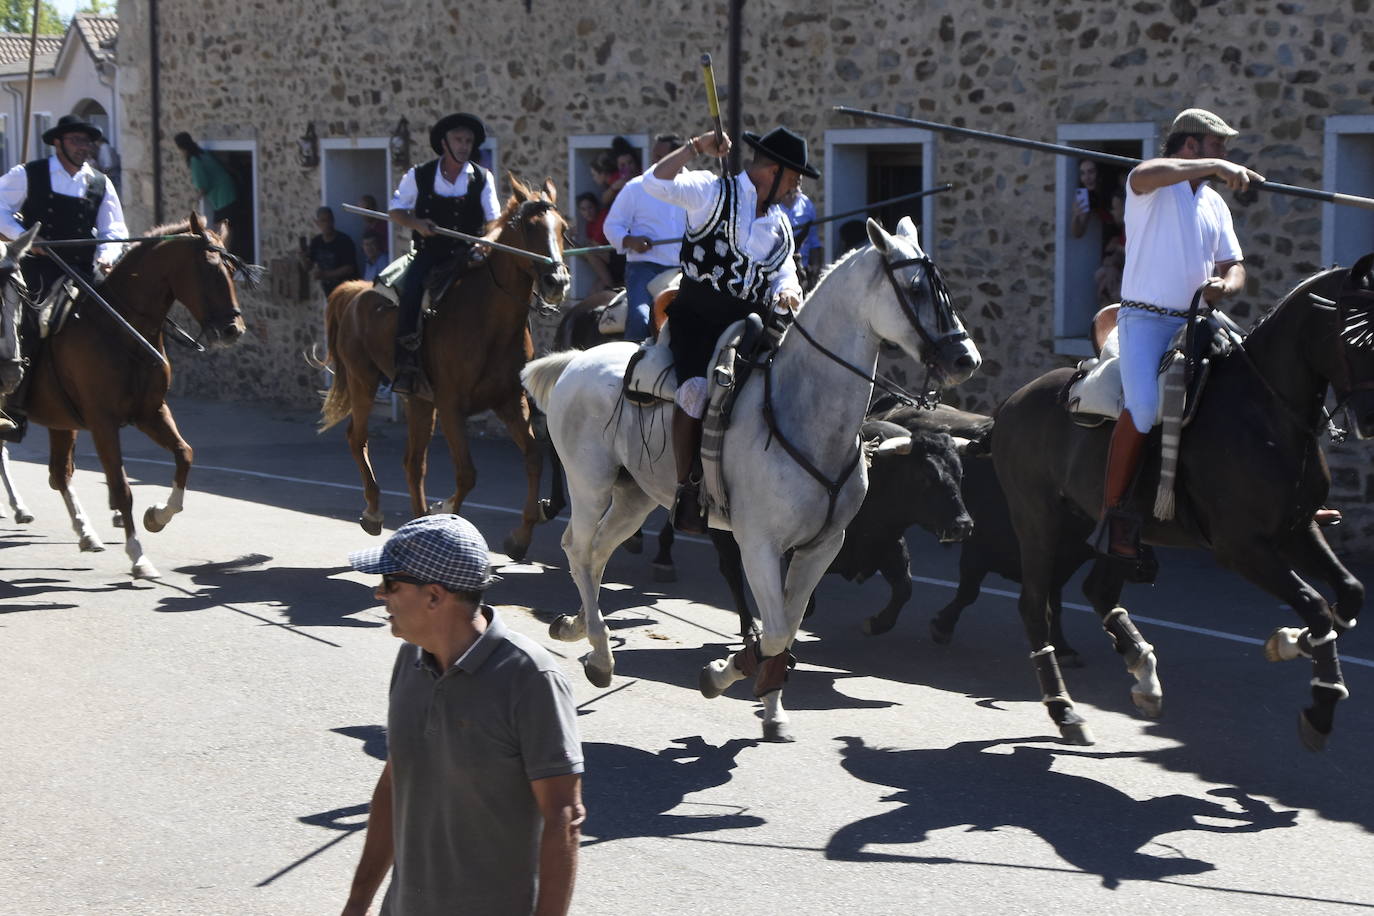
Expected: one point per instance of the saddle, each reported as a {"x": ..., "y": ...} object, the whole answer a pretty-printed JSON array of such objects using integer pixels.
[
  {"x": 441, "y": 278},
  {"x": 1093, "y": 395},
  {"x": 611, "y": 317}
]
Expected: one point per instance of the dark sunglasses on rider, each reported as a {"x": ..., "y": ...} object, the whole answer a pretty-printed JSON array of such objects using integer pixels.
[{"x": 391, "y": 580}]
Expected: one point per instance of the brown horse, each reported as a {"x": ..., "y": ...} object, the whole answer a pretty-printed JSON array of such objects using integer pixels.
[
  {"x": 91, "y": 375},
  {"x": 474, "y": 348}
]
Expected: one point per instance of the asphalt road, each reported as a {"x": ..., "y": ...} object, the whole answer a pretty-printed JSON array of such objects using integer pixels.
[{"x": 207, "y": 743}]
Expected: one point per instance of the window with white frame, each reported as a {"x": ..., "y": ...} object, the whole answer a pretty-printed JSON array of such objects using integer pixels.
[
  {"x": 240, "y": 160},
  {"x": 356, "y": 170},
  {"x": 1348, "y": 232},
  {"x": 1089, "y": 249},
  {"x": 863, "y": 166},
  {"x": 583, "y": 152}
]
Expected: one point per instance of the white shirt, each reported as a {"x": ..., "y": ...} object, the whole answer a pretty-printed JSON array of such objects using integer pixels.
[
  {"x": 635, "y": 212},
  {"x": 697, "y": 191},
  {"x": 1174, "y": 240},
  {"x": 407, "y": 192},
  {"x": 109, "y": 219}
]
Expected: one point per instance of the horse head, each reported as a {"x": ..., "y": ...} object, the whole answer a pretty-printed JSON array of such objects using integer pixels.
[
  {"x": 924, "y": 323},
  {"x": 203, "y": 281},
  {"x": 1353, "y": 373},
  {"x": 534, "y": 224}
]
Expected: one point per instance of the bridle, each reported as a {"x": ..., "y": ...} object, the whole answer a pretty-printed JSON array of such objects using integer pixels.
[{"x": 527, "y": 211}]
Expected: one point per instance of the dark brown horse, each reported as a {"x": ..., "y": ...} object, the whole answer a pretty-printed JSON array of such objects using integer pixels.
[
  {"x": 91, "y": 375},
  {"x": 474, "y": 348},
  {"x": 1250, "y": 475}
]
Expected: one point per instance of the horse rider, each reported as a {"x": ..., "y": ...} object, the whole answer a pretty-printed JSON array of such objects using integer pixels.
[
  {"x": 450, "y": 192},
  {"x": 73, "y": 201},
  {"x": 736, "y": 259},
  {"x": 1179, "y": 237}
]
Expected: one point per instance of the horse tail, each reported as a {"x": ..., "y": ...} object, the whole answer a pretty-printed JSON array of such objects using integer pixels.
[
  {"x": 337, "y": 404},
  {"x": 540, "y": 375}
]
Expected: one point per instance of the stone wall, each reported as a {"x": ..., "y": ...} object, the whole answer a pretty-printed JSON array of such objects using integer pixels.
[{"x": 539, "y": 72}]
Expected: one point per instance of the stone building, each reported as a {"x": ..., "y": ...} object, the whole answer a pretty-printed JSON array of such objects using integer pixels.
[{"x": 556, "y": 82}]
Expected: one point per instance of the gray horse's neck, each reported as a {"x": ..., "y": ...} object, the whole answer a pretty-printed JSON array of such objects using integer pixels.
[{"x": 819, "y": 404}]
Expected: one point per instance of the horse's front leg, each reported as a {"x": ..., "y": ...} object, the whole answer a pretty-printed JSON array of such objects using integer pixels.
[
  {"x": 1266, "y": 566},
  {"x": 419, "y": 430},
  {"x": 515, "y": 414},
  {"x": 106, "y": 439},
  {"x": 22, "y": 515},
  {"x": 1312, "y": 557},
  {"x": 162, "y": 429},
  {"x": 61, "y": 447}
]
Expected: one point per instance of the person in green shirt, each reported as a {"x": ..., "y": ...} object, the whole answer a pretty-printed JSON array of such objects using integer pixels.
[{"x": 210, "y": 177}]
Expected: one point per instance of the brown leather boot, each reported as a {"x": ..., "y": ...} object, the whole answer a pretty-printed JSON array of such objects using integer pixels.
[
  {"x": 688, "y": 515},
  {"x": 1123, "y": 460}
]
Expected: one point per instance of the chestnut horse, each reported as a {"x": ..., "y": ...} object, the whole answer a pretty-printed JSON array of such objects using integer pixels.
[
  {"x": 90, "y": 375},
  {"x": 474, "y": 348}
]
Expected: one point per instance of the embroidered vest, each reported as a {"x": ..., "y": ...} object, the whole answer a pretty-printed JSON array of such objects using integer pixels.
[
  {"x": 714, "y": 254},
  {"x": 63, "y": 216},
  {"x": 463, "y": 214}
]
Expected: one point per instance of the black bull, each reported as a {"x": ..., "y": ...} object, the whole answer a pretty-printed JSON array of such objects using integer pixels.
[{"x": 1251, "y": 473}]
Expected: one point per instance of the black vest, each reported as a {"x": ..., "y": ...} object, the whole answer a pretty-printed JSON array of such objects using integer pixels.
[
  {"x": 463, "y": 214},
  {"x": 714, "y": 254},
  {"x": 63, "y": 216}
]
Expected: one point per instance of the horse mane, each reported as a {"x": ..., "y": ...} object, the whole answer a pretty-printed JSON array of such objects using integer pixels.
[{"x": 834, "y": 265}]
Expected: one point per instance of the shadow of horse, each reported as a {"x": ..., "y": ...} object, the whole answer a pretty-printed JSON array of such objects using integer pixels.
[
  {"x": 1092, "y": 826},
  {"x": 306, "y": 596},
  {"x": 629, "y": 792}
]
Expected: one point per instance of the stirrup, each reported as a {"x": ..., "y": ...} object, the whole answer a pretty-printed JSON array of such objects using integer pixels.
[{"x": 689, "y": 514}]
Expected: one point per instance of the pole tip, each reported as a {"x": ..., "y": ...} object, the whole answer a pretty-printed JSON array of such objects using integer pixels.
[{"x": 706, "y": 60}]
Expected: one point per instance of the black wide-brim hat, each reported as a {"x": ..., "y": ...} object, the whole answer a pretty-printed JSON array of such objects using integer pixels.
[
  {"x": 70, "y": 124},
  {"x": 460, "y": 119},
  {"x": 783, "y": 147}
]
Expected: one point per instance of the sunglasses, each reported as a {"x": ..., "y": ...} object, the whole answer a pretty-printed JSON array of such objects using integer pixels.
[{"x": 391, "y": 580}]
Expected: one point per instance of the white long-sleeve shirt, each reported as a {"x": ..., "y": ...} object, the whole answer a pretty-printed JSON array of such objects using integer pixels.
[
  {"x": 109, "y": 219},
  {"x": 636, "y": 212},
  {"x": 696, "y": 192},
  {"x": 407, "y": 192}
]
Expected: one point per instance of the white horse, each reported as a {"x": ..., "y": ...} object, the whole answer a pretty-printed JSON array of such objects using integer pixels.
[{"x": 619, "y": 466}]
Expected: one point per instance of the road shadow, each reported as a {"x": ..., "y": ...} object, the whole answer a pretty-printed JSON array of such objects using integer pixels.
[
  {"x": 1092, "y": 826},
  {"x": 629, "y": 792},
  {"x": 305, "y": 596}
]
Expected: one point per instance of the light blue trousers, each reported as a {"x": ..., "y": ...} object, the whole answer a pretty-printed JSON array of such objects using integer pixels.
[{"x": 1143, "y": 337}]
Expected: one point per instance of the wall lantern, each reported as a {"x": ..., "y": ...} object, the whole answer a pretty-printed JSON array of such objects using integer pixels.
[
  {"x": 308, "y": 148},
  {"x": 400, "y": 143}
]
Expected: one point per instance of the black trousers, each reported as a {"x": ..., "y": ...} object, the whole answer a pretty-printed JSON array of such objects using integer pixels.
[{"x": 698, "y": 316}]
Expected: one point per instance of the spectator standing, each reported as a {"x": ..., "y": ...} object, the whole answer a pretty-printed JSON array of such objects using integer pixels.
[
  {"x": 333, "y": 257},
  {"x": 374, "y": 258},
  {"x": 478, "y": 808},
  {"x": 593, "y": 233},
  {"x": 802, "y": 213},
  {"x": 635, "y": 220},
  {"x": 211, "y": 178},
  {"x": 373, "y": 227}
]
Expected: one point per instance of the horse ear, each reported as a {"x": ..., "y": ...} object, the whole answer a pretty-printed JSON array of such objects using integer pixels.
[
  {"x": 222, "y": 230},
  {"x": 878, "y": 235},
  {"x": 197, "y": 223},
  {"x": 20, "y": 246},
  {"x": 907, "y": 229},
  {"x": 551, "y": 190},
  {"x": 517, "y": 187}
]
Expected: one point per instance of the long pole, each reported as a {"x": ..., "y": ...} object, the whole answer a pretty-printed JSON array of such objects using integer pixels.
[
  {"x": 99, "y": 300},
  {"x": 1330, "y": 197},
  {"x": 28, "y": 93},
  {"x": 597, "y": 249},
  {"x": 735, "y": 101},
  {"x": 455, "y": 234},
  {"x": 708, "y": 74}
]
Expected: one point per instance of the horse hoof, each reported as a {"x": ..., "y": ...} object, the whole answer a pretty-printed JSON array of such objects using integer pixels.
[
  {"x": 777, "y": 733},
  {"x": 145, "y": 570},
  {"x": 91, "y": 544},
  {"x": 600, "y": 677},
  {"x": 546, "y": 512},
  {"x": 372, "y": 526},
  {"x": 876, "y": 626},
  {"x": 1077, "y": 733},
  {"x": 1069, "y": 659},
  {"x": 514, "y": 548},
  {"x": 634, "y": 543},
  {"x": 566, "y": 629},
  {"x": 23, "y": 518},
  {"x": 1150, "y": 707},
  {"x": 665, "y": 572},
  {"x": 707, "y": 684},
  {"x": 150, "y": 521},
  {"x": 1311, "y": 738},
  {"x": 1282, "y": 644}
]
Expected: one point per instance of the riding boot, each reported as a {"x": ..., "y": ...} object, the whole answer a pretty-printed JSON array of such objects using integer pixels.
[
  {"x": 689, "y": 516},
  {"x": 1123, "y": 461},
  {"x": 406, "y": 378}
]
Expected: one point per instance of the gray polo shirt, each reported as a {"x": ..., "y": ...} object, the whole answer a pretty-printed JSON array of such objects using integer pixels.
[{"x": 464, "y": 745}]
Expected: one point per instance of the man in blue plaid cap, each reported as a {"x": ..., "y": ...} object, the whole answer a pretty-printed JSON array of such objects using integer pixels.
[{"x": 479, "y": 805}]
